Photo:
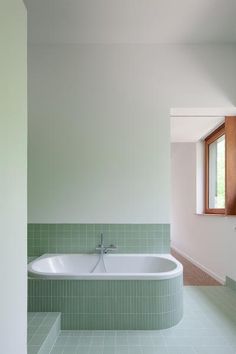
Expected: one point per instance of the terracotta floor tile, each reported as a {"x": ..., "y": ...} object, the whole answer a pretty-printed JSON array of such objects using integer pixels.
[{"x": 192, "y": 274}]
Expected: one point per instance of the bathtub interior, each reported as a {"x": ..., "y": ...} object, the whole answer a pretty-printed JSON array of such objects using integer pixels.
[{"x": 82, "y": 264}]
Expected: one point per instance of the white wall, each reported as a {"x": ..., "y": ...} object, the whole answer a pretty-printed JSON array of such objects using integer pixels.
[
  {"x": 99, "y": 131},
  {"x": 208, "y": 240},
  {"x": 13, "y": 172}
]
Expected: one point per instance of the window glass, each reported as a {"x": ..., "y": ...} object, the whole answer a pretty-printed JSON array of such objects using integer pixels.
[{"x": 217, "y": 173}]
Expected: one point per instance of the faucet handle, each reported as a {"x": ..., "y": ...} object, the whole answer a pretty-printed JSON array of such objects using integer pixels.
[{"x": 111, "y": 248}]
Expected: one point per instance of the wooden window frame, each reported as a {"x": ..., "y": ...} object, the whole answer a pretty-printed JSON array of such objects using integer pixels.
[{"x": 216, "y": 134}]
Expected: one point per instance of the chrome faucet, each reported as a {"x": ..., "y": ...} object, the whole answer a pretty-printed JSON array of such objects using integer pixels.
[{"x": 105, "y": 249}]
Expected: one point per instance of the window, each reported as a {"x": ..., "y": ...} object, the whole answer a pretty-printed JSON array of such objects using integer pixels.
[
  {"x": 215, "y": 172},
  {"x": 220, "y": 169}
]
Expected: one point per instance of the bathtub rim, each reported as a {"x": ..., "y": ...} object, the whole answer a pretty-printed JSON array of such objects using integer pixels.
[{"x": 107, "y": 276}]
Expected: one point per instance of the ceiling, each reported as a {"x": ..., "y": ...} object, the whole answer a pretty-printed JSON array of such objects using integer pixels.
[
  {"x": 131, "y": 21},
  {"x": 192, "y": 129}
]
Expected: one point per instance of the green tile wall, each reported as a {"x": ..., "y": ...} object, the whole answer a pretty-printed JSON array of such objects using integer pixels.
[
  {"x": 109, "y": 304},
  {"x": 230, "y": 283},
  {"x": 79, "y": 238}
]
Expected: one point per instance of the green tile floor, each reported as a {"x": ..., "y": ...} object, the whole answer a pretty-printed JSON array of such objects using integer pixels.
[
  {"x": 208, "y": 327},
  {"x": 43, "y": 330}
]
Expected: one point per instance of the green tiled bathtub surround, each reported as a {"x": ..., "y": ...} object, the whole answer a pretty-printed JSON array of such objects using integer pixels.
[
  {"x": 230, "y": 283},
  {"x": 83, "y": 238},
  {"x": 109, "y": 304}
]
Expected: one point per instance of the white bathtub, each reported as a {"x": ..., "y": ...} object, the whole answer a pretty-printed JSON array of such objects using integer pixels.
[{"x": 115, "y": 266}]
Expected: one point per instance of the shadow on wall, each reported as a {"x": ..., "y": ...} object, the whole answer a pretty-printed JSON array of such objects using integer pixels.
[
  {"x": 210, "y": 60},
  {"x": 201, "y": 75}
]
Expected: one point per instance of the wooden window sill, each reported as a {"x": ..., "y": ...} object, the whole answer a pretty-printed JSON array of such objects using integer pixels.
[{"x": 206, "y": 214}]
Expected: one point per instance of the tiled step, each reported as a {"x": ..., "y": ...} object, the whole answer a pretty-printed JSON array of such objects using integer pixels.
[{"x": 43, "y": 330}]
